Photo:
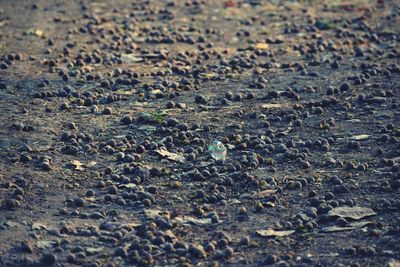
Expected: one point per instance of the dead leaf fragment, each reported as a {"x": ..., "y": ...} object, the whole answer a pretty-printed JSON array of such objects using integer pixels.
[
  {"x": 170, "y": 234},
  {"x": 129, "y": 185},
  {"x": 130, "y": 58},
  {"x": 91, "y": 164},
  {"x": 126, "y": 92},
  {"x": 12, "y": 224},
  {"x": 38, "y": 226},
  {"x": 92, "y": 251},
  {"x": 264, "y": 193},
  {"x": 77, "y": 165},
  {"x": 261, "y": 46},
  {"x": 155, "y": 91},
  {"x": 189, "y": 220},
  {"x": 234, "y": 201},
  {"x": 271, "y": 105},
  {"x": 350, "y": 227},
  {"x": 355, "y": 213},
  {"x": 171, "y": 156},
  {"x": 45, "y": 243},
  {"x": 360, "y": 137},
  {"x": 273, "y": 233},
  {"x": 393, "y": 263}
]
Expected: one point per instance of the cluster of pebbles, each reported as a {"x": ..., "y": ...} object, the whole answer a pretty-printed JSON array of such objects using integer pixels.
[{"x": 105, "y": 158}]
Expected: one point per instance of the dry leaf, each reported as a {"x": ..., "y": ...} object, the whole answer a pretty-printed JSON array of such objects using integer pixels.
[
  {"x": 269, "y": 204},
  {"x": 45, "y": 244},
  {"x": 234, "y": 201},
  {"x": 128, "y": 185},
  {"x": 261, "y": 46},
  {"x": 171, "y": 156},
  {"x": 350, "y": 227},
  {"x": 77, "y": 165},
  {"x": 130, "y": 58},
  {"x": 188, "y": 220},
  {"x": 273, "y": 233},
  {"x": 155, "y": 91},
  {"x": 38, "y": 226},
  {"x": 132, "y": 224},
  {"x": 125, "y": 92},
  {"x": 209, "y": 75},
  {"x": 271, "y": 105},
  {"x": 355, "y": 213},
  {"x": 354, "y": 120},
  {"x": 111, "y": 226},
  {"x": 170, "y": 234},
  {"x": 393, "y": 263},
  {"x": 91, "y": 164},
  {"x": 92, "y": 251},
  {"x": 360, "y": 137},
  {"x": 264, "y": 193},
  {"x": 12, "y": 224},
  {"x": 230, "y": 146}
]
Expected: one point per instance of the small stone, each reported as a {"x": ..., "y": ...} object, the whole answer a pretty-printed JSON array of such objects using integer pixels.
[
  {"x": 71, "y": 258},
  {"x": 197, "y": 251},
  {"x": 25, "y": 158},
  {"x": 229, "y": 252},
  {"x": 242, "y": 211},
  {"x": 200, "y": 99},
  {"x": 170, "y": 104},
  {"x": 11, "y": 204},
  {"x": 126, "y": 120},
  {"x": 64, "y": 106},
  {"x": 171, "y": 122},
  {"x": 48, "y": 259},
  {"x": 271, "y": 259},
  {"x": 45, "y": 166},
  {"x": 79, "y": 202},
  {"x": 121, "y": 252},
  {"x": 147, "y": 202},
  {"x": 107, "y": 111},
  {"x": 90, "y": 193},
  {"x": 344, "y": 87},
  {"x": 245, "y": 241},
  {"x": 26, "y": 247},
  {"x": 113, "y": 190}
]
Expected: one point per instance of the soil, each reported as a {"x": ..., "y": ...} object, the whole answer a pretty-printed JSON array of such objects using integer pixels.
[{"x": 109, "y": 109}]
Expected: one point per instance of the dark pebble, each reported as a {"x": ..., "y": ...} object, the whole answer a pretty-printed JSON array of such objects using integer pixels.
[
  {"x": 344, "y": 87},
  {"x": 200, "y": 99},
  {"x": 79, "y": 202},
  {"x": 107, "y": 111},
  {"x": 48, "y": 259}
]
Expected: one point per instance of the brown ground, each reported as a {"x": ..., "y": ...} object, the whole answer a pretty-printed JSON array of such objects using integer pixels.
[{"x": 304, "y": 95}]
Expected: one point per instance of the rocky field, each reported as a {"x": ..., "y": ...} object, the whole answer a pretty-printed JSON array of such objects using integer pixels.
[{"x": 199, "y": 133}]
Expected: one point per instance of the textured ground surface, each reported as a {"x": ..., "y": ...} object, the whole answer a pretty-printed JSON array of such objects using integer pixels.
[{"x": 108, "y": 109}]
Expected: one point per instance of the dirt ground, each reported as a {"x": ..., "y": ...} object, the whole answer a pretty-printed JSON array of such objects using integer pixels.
[{"x": 109, "y": 109}]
